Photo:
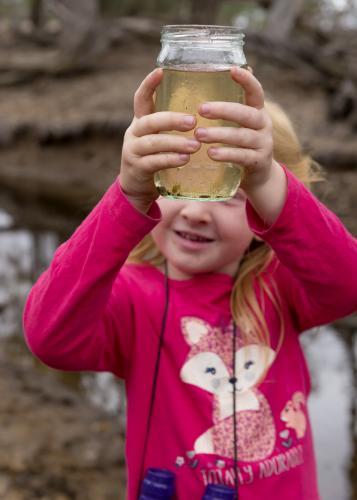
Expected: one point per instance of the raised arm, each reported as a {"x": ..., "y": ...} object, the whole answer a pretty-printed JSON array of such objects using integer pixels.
[
  {"x": 78, "y": 314},
  {"x": 249, "y": 144},
  {"x": 318, "y": 255},
  {"x": 75, "y": 319}
]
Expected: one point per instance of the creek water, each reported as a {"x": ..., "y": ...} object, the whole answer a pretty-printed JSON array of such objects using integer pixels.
[{"x": 24, "y": 254}]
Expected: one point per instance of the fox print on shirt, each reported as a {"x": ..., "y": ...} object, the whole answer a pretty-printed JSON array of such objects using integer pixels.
[{"x": 209, "y": 366}]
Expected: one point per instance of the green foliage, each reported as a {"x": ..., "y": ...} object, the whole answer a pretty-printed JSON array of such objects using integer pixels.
[
  {"x": 137, "y": 7},
  {"x": 248, "y": 14},
  {"x": 178, "y": 11},
  {"x": 312, "y": 6},
  {"x": 11, "y": 8}
]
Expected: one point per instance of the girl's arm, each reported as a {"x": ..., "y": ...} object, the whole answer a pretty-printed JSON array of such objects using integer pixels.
[
  {"x": 72, "y": 314},
  {"x": 78, "y": 315},
  {"x": 268, "y": 198},
  {"x": 318, "y": 256}
]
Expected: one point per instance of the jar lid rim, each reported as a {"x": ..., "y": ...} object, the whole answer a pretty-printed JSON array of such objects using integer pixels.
[
  {"x": 201, "y": 26},
  {"x": 199, "y": 30}
]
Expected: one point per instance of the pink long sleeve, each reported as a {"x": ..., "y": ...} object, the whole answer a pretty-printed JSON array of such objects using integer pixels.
[
  {"x": 318, "y": 257},
  {"x": 87, "y": 312},
  {"x": 68, "y": 319}
]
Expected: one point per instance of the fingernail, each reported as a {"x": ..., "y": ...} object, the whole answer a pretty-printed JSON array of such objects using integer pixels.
[
  {"x": 201, "y": 133},
  {"x": 192, "y": 144},
  {"x": 189, "y": 120},
  {"x": 242, "y": 70},
  {"x": 213, "y": 151},
  {"x": 204, "y": 109},
  {"x": 184, "y": 157}
]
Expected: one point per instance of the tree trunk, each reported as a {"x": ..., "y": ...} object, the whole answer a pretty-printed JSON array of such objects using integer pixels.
[
  {"x": 204, "y": 11},
  {"x": 282, "y": 18},
  {"x": 82, "y": 41},
  {"x": 36, "y": 13}
]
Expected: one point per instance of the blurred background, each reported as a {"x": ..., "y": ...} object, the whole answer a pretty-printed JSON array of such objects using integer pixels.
[{"x": 68, "y": 72}]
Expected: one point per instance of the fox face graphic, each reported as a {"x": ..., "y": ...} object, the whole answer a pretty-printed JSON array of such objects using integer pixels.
[{"x": 209, "y": 366}]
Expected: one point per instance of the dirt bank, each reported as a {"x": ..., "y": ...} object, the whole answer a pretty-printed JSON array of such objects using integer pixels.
[{"x": 61, "y": 138}]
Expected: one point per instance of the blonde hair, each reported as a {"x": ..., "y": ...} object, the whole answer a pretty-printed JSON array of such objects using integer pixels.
[{"x": 246, "y": 311}]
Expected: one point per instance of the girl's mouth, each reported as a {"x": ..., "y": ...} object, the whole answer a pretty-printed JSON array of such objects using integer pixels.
[{"x": 193, "y": 237}]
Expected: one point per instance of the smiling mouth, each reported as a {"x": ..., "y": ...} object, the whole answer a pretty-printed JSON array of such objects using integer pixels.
[{"x": 193, "y": 237}]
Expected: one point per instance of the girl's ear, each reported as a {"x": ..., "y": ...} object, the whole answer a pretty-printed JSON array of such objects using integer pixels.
[{"x": 194, "y": 329}]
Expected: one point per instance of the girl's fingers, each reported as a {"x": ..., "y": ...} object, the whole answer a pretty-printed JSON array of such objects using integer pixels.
[
  {"x": 247, "y": 115},
  {"x": 153, "y": 163},
  {"x": 157, "y": 143},
  {"x": 240, "y": 137},
  {"x": 143, "y": 98},
  {"x": 240, "y": 156},
  {"x": 254, "y": 94},
  {"x": 163, "y": 121},
  {"x": 244, "y": 115}
]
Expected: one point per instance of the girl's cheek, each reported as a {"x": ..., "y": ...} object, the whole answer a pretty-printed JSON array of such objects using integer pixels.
[
  {"x": 168, "y": 212},
  {"x": 163, "y": 203}
]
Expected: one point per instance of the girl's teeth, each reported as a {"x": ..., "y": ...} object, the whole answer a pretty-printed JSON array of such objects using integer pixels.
[{"x": 193, "y": 237}]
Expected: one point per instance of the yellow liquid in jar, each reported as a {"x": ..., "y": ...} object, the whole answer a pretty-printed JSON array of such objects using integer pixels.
[{"x": 201, "y": 178}]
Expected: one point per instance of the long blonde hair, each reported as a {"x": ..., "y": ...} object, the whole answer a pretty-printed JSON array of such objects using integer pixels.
[{"x": 246, "y": 311}]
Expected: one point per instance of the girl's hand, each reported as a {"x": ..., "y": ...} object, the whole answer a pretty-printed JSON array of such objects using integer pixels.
[
  {"x": 145, "y": 150},
  {"x": 264, "y": 180},
  {"x": 252, "y": 141}
]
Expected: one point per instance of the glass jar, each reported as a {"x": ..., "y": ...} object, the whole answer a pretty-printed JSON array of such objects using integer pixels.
[{"x": 196, "y": 61}]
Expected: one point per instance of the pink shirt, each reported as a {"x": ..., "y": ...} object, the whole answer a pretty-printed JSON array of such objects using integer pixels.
[{"x": 91, "y": 311}]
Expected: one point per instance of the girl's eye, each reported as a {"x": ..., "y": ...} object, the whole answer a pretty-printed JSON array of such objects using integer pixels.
[
  {"x": 248, "y": 364},
  {"x": 211, "y": 369}
]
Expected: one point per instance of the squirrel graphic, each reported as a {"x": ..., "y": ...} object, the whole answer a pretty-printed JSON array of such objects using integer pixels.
[{"x": 293, "y": 415}]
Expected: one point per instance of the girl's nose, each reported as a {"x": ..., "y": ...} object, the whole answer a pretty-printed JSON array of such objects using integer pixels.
[{"x": 196, "y": 211}]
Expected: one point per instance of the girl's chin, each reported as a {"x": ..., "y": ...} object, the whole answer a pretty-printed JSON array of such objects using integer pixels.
[{"x": 182, "y": 271}]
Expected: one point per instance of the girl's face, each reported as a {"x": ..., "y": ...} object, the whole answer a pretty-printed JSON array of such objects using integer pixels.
[{"x": 202, "y": 236}]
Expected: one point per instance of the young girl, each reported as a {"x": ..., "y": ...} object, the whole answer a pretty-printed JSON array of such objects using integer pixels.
[{"x": 203, "y": 320}]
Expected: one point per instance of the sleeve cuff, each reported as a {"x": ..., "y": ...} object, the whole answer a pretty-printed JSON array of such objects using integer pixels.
[{"x": 120, "y": 206}]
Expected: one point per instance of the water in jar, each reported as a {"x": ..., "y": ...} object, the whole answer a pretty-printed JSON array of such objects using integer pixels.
[{"x": 201, "y": 178}]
